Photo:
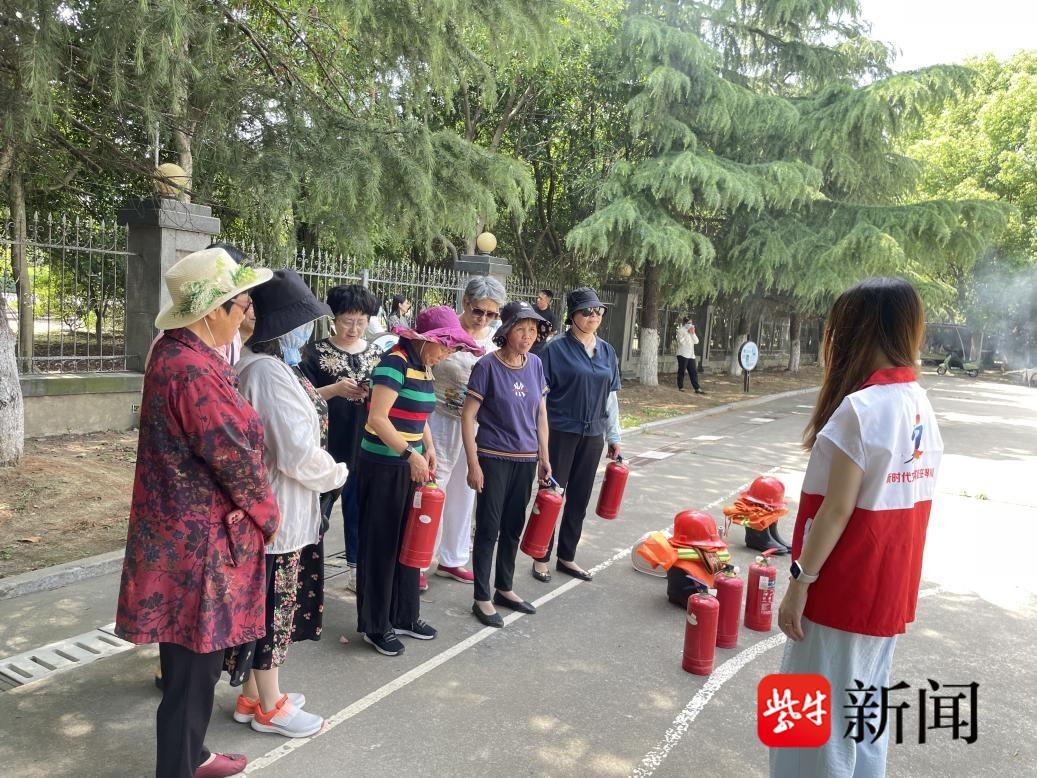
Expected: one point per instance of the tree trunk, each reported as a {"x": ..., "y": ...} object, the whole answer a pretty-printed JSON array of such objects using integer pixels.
[
  {"x": 12, "y": 416},
  {"x": 795, "y": 330},
  {"x": 648, "y": 366},
  {"x": 738, "y": 337},
  {"x": 186, "y": 161},
  {"x": 20, "y": 269}
]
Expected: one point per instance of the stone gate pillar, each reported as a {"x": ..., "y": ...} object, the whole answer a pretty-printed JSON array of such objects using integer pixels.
[{"x": 162, "y": 231}]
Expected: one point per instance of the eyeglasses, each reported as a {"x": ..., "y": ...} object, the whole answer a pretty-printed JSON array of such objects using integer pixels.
[
  {"x": 491, "y": 315},
  {"x": 351, "y": 324},
  {"x": 245, "y": 308},
  {"x": 588, "y": 312}
]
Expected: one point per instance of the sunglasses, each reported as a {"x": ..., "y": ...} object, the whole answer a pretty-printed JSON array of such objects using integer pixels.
[
  {"x": 588, "y": 312},
  {"x": 485, "y": 314}
]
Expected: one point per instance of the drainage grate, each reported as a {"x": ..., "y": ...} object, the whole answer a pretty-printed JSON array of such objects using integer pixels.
[{"x": 40, "y": 663}]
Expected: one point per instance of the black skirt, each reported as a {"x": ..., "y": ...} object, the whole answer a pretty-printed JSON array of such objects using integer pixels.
[{"x": 294, "y": 612}]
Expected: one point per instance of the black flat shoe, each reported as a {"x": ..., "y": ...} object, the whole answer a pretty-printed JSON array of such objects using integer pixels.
[
  {"x": 573, "y": 572},
  {"x": 516, "y": 605},
  {"x": 543, "y": 577},
  {"x": 491, "y": 620}
]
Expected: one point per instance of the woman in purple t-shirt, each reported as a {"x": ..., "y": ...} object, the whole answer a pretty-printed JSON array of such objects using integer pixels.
[{"x": 506, "y": 395}]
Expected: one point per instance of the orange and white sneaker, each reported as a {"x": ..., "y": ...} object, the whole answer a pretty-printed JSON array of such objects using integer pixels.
[
  {"x": 287, "y": 719},
  {"x": 246, "y": 707}
]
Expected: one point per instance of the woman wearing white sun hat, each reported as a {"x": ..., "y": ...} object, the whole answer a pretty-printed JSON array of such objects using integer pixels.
[{"x": 202, "y": 508}]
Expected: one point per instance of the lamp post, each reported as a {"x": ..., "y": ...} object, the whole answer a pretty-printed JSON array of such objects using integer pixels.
[{"x": 483, "y": 263}]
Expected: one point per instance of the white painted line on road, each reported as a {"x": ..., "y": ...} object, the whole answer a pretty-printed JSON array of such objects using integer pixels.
[
  {"x": 657, "y": 454},
  {"x": 716, "y": 679},
  {"x": 431, "y": 664},
  {"x": 761, "y": 420},
  {"x": 709, "y": 438}
]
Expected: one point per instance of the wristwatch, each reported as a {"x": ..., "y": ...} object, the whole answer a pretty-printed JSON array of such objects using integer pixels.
[
  {"x": 408, "y": 452},
  {"x": 799, "y": 574}
]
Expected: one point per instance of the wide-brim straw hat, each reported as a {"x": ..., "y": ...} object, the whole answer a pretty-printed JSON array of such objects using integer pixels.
[{"x": 201, "y": 282}]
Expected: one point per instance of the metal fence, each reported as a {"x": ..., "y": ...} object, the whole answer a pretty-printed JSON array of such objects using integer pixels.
[
  {"x": 76, "y": 284},
  {"x": 423, "y": 285}
]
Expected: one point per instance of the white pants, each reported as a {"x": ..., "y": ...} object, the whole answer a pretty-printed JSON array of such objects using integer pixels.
[
  {"x": 841, "y": 657},
  {"x": 454, "y": 541}
]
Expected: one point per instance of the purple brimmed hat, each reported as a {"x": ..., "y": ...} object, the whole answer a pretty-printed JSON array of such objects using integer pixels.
[{"x": 440, "y": 325}]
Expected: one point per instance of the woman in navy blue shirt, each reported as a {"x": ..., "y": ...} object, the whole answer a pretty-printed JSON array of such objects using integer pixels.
[{"x": 581, "y": 371}]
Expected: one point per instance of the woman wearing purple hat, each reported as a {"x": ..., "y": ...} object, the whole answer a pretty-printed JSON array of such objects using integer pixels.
[
  {"x": 396, "y": 455},
  {"x": 582, "y": 372}
]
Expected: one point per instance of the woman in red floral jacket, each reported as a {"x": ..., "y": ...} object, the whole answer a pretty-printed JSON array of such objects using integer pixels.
[{"x": 202, "y": 509}]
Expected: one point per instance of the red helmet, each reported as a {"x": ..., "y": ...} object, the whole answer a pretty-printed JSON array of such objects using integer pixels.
[
  {"x": 696, "y": 528},
  {"x": 766, "y": 491}
]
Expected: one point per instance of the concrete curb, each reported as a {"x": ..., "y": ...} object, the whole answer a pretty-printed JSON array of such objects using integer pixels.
[
  {"x": 767, "y": 398},
  {"x": 57, "y": 576}
]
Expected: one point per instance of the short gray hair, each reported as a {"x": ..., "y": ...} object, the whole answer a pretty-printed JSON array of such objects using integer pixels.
[{"x": 485, "y": 288}]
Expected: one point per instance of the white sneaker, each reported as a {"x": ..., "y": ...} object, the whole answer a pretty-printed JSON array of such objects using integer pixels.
[
  {"x": 351, "y": 579},
  {"x": 245, "y": 709},
  {"x": 287, "y": 719}
]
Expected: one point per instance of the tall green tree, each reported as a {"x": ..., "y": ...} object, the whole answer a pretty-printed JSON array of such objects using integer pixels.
[
  {"x": 763, "y": 166},
  {"x": 984, "y": 147}
]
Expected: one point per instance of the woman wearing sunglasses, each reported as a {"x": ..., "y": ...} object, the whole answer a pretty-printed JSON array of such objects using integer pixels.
[
  {"x": 482, "y": 300},
  {"x": 581, "y": 371}
]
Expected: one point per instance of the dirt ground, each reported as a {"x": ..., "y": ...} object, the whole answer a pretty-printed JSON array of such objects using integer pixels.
[
  {"x": 70, "y": 497},
  {"x": 640, "y": 404}
]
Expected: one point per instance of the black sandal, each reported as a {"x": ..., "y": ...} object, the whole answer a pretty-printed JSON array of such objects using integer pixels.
[{"x": 542, "y": 577}]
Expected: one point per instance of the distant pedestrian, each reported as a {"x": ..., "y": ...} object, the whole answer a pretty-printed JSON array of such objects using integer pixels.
[
  {"x": 686, "y": 342},
  {"x": 201, "y": 511},
  {"x": 399, "y": 312},
  {"x": 859, "y": 536},
  {"x": 506, "y": 394},
  {"x": 543, "y": 306},
  {"x": 581, "y": 371}
]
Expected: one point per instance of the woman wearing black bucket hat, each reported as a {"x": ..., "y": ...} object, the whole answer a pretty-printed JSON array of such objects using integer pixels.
[
  {"x": 295, "y": 419},
  {"x": 581, "y": 371},
  {"x": 506, "y": 393}
]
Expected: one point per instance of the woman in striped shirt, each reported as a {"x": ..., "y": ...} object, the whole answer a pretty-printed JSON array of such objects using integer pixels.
[{"x": 397, "y": 455}]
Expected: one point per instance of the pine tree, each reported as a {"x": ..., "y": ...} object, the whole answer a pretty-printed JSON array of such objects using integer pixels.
[{"x": 763, "y": 170}]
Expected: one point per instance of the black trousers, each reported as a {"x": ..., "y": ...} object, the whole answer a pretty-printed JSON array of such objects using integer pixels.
[
  {"x": 387, "y": 592},
  {"x": 500, "y": 514},
  {"x": 188, "y": 686},
  {"x": 687, "y": 363},
  {"x": 574, "y": 461}
]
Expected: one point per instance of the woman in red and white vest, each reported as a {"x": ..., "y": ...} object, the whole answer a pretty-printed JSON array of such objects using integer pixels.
[{"x": 859, "y": 535}]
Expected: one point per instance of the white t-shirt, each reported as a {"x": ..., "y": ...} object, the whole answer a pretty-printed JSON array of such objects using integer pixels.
[
  {"x": 869, "y": 584},
  {"x": 686, "y": 341}
]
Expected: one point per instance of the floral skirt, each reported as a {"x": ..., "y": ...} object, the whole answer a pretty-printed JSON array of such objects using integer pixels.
[{"x": 294, "y": 611}]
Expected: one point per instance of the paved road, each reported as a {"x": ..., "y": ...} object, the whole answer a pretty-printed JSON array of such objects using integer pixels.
[{"x": 592, "y": 684}]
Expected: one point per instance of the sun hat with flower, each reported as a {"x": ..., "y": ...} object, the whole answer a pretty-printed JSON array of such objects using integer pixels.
[
  {"x": 440, "y": 324},
  {"x": 201, "y": 282}
]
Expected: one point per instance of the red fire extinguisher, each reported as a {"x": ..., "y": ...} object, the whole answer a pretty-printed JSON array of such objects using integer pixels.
[
  {"x": 419, "y": 536},
  {"x": 700, "y": 634},
  {"x": 759, "y": 602},
  {"x": 729, "y": 596},
  {"x": 542, "y": 520},
  {"x": 611, "y": 495}
]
